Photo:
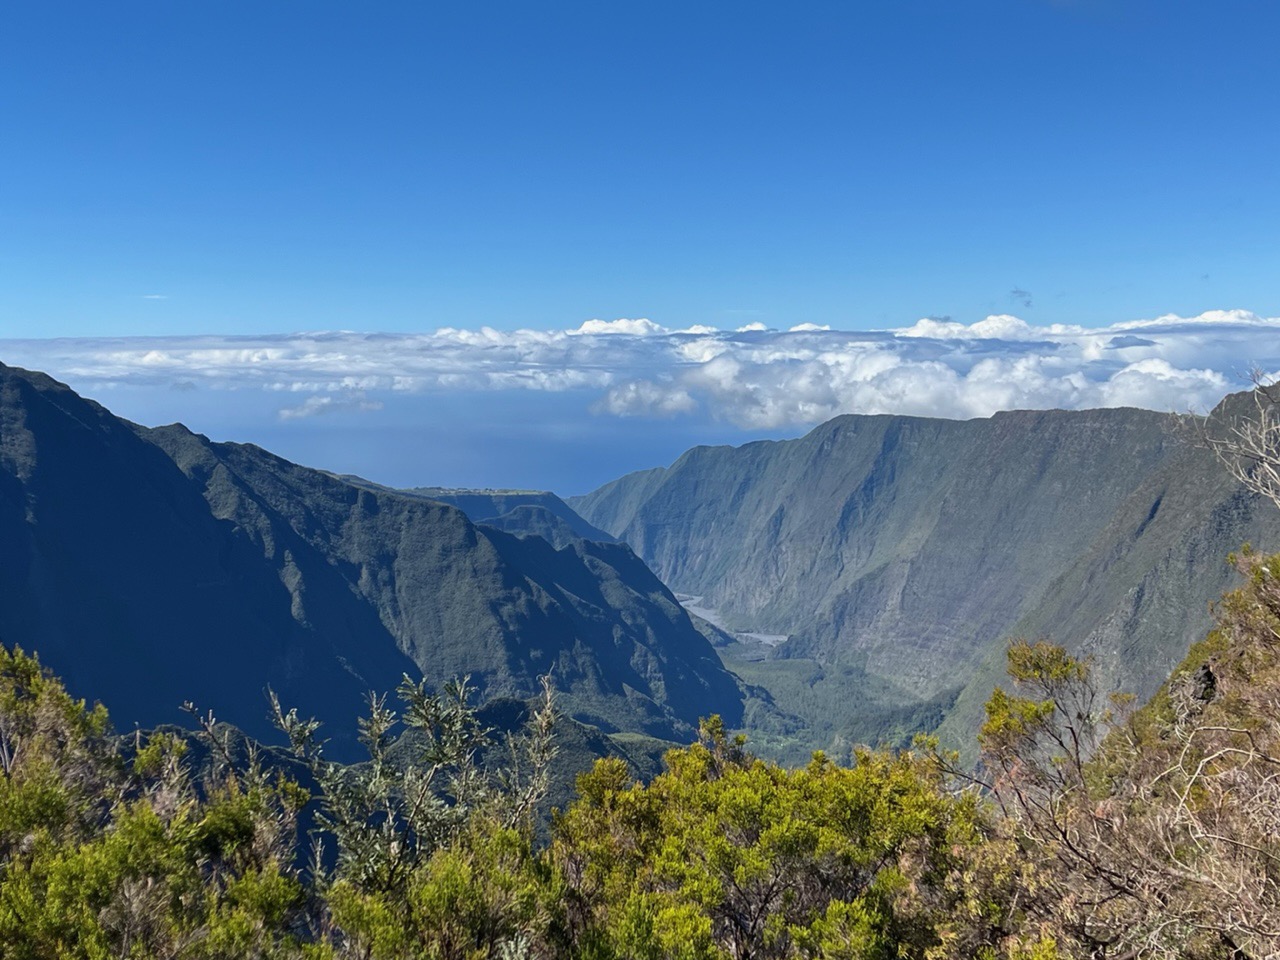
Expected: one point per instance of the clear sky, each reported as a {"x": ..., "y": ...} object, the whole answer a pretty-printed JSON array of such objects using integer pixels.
[
  {"x": 183, "y": 170},
  {"x": 405, "y": 166}
]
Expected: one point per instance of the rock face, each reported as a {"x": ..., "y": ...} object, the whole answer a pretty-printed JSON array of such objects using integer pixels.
[
  {"x": 152, "y": 566},
  {"x": 913, "y": 549}
]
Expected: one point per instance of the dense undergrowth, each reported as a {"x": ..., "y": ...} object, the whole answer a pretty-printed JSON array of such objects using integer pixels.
[{"x": 1089, "y": 831}]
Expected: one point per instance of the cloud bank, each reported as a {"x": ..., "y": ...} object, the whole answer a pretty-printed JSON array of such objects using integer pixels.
[{"x": 752, "y": 377}]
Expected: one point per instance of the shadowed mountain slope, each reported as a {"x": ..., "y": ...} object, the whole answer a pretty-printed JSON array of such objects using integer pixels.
[
  {"x": 908, "y": 550},
  {"x": 150, "y": 566}
]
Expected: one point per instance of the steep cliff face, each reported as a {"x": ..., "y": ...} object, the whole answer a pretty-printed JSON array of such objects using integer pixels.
[
  {"x": 911, "y": 549},
  {"x": 151, "y": 566},
  {"x": 1141, "y": 594}
]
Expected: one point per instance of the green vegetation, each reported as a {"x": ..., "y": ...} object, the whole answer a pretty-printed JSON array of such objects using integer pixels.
[
  {"x": 103, "y": 858},
  {"x": 726, "y": 855},
  {"x": 1096, "y": 831},
  {"x": 722, "y": 855}
]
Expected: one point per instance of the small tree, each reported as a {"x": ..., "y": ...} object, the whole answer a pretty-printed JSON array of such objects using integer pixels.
[
  {"x": 433, "y": 833},
  {"x": 1249, "y": 446},
  {"x": 112, "y": 852},
  {"x": 1157, "y": 834},
  {"x": 728, "y": 856}
]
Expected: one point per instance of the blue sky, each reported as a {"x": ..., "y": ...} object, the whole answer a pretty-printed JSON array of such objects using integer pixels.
[{"x": 181, "y": 169}]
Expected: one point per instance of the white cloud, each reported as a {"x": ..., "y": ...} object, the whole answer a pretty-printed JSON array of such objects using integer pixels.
[
  {"x": 329, "y": 403},
  {"x": 641, "y": 398},
  {"x": 752, "y": 377},
  {"x": 636, "y": 328},
  {"x": 998, "y": 327}
]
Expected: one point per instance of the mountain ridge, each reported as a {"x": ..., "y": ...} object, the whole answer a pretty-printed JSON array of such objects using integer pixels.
[
  {"x": 913, "y": 549},
  {"x": 151, "y": 562}
]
